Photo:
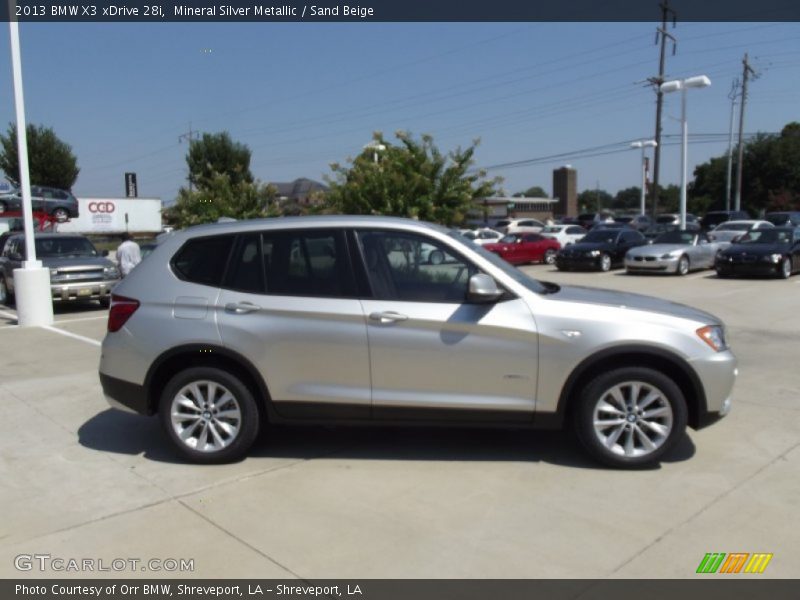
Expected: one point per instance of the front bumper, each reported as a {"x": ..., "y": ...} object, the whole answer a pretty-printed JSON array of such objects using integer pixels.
[
  {"x": 717, "y": 374},
  {"x": 578, "y": 262},
  {"x": 83, "y": 290},
  {"x": 651, "y": 264},
  {"x": 757, "y": 268}
]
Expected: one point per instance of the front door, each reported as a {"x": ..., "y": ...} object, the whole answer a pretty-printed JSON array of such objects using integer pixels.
[{"x": 434, "y": 355}]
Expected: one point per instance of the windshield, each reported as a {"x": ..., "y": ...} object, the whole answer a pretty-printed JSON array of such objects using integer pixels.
[
  {"x": 767, "y": 236},
  {"x": 600, "y": 236},
  {"x": 675, "y": 237},
  {"x": 510, "y": 270},
  {"x": 63, "y": 247}
]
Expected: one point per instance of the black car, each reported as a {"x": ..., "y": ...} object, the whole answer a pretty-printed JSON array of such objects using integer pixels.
[
  {"x": 599, "y": 250},
  {"x": 789, "y": 218},
  {"x": 771, "y": 252},
  {"x": 715, "y": 217}
]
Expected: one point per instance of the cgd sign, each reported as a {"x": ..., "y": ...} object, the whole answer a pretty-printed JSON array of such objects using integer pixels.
[{"x": 102, "y": 207}]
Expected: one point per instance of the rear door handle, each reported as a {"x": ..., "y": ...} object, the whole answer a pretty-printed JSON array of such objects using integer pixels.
[
  {"x": 241, "y": 308},
  {"x": 388, "y": 317}
]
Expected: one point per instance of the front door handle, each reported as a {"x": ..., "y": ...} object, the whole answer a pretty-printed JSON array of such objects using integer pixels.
[
  {"x": 388, "y": 317},
  {"x": 241, "y": 308}
]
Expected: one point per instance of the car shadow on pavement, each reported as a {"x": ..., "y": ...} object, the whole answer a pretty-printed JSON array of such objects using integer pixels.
[{"x": 121, "y": 433}]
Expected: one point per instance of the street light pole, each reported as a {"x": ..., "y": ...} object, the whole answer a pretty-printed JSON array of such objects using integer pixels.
[
  {"x": 643, "y": 144},
  {"x": 32, "y": 280},
  {"x": 681, "y": 85}
]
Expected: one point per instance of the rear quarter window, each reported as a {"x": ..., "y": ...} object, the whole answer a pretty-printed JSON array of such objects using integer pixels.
[{"x": 203, "y": 260}]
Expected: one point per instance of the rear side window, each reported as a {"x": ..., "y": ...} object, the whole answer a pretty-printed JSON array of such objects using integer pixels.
[{"x": 203, "y": 260}]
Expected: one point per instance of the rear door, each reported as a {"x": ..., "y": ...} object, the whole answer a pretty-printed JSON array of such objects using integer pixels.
[
  {"x": 289, "y": 304},
  {"x": 432, "y": 354}
]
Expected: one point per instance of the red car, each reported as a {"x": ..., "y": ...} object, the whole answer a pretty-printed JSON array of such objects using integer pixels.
[{"x": 526, "y": 248}]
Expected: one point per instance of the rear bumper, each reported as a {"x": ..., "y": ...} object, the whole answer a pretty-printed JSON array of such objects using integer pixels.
[{"x": 124, "y": 395}]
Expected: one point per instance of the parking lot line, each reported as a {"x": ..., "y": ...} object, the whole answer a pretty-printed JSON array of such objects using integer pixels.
[
  {"x": 72, "y": 335},
  {"x": 81, "y": 319}
]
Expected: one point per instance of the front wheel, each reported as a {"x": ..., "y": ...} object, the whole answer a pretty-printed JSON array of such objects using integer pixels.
[
  {"x": 683, "y": 266},
  {"x": 549, "y": 257},
  {"x": 785, "y": 270},
  {"x": 630, "y": 417},
  {"x": 605, "y": 263},
  {"x": 209, "y": 415}
]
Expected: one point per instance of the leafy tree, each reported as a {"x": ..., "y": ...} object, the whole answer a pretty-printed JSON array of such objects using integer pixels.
[
  {"x": 628, "y": 199},
  {"x": 217, "y": 153},
  {"x": 532, "y": 192},
  {"x": 770, "y": 178},
  {"x": 410, "y": 179},
  {"x": 594, "y": 200},
  {"x": 221, "y": 197},
  {"x": 50, "y": 160}
]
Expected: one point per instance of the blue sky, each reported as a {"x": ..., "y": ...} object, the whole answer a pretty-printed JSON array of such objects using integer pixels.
[{"x": 303, "y": 95}]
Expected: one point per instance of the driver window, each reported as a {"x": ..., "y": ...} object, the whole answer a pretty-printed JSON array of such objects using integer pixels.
[{"x": 413, "y": 268}]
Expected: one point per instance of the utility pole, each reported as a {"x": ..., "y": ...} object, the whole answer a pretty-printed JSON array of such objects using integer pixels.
[
  {"x": 661, "y": 35},
  {"x": 746, "y": 71},
  {"x": 732, "y": 95},
  {"x": 189, "y": 136}
]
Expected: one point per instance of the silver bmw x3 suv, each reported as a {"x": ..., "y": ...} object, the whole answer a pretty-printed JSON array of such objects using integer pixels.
[{"x": 315, "y": 320}]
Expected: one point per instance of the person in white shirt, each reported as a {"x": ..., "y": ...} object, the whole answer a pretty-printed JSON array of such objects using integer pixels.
[{"x": 128, "y": 255}]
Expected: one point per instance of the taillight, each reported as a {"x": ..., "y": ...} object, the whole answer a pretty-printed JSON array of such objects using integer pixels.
[{"x": 121, "y": 310}]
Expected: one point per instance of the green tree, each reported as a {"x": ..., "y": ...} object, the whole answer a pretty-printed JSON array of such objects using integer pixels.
[
  {"x": 221, "y": 197},
  {"x": 217, "y": 153},
  {"x": 50, "y": 160},
  {"x": 770, "y": 177},
  {"x": 409, "y": 179},
  {"x": 628, "y": 199},
  {"x": 532, "y": 192},
  {"x": 594, "y": 200}
]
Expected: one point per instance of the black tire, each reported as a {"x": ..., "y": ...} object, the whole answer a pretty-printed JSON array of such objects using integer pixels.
[
  {"x": 549, "y": 257},
  {"x": 6, "y": 297},
  {"x": 105, "y": 302},
  {"x": 605, "y": 262},
  {"x": 436, "y": 257},
  {"x": 785, "y": 270},
  {"x": 683, "y": 266},
  {"x": 668, "y": 394},
  {"x": 249, "y": 417}
]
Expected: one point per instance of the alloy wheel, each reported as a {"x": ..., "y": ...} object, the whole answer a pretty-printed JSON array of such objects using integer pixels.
[
  {"x": 683, "y": 266},
  {"x": 605, "y": 262},
  {"x": 205, "y": 416},
  {"x": 633, "y": 419},
  {"x": 786, "y": 268},
  {"x": 549, "y": 257}
]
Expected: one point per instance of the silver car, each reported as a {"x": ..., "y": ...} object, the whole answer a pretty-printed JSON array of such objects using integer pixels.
[
  {"x": 338, "y": 320},
  {"x": 675, "y": 252}
]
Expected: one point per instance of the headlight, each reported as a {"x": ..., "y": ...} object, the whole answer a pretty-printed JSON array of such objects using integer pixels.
[
  {"x": 111, "y": 273},
  {"x": 714, "y": 336},
  {"x": 594, "y": 253},
  {"x": 776, "y": 258}
]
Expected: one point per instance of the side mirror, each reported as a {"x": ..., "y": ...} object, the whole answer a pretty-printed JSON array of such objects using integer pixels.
[
  {"x": 483, "y": 289},
  {"x": 104, "y": 253},
  {"x": 735, "y": 239}
]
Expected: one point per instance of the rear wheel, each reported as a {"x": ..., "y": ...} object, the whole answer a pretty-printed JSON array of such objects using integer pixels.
[
  {"x": 630, "y": 417},
  {"x": 549, "y": 257},
  {"x": 209, "y": 415},
  {"x": 683, "y": 266},
  {"x": 60, "y": 214}
]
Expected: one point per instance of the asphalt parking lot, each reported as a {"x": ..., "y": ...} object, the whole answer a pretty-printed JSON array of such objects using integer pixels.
[{"x": 83, "y": 481}]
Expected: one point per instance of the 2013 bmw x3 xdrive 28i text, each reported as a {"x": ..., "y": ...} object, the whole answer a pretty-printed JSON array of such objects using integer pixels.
[{"x": 340, "y": 320}]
